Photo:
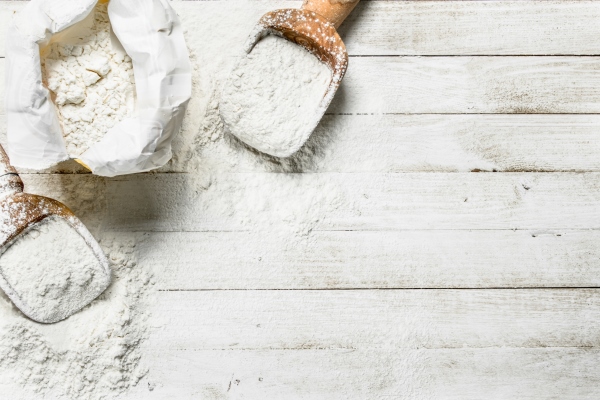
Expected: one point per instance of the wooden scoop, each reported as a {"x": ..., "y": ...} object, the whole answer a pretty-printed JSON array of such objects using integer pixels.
[
  {"x": 20, "y": 211},
  {"x": 314, "y": 28}
]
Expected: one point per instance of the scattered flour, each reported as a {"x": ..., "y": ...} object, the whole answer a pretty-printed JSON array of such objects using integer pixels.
[
  {"x": 52, "y": 270},
  {"x": 94, "y": 354},
  {"x": 273, "y": 95},
  {"x": 97, "y": 353},
  {"x": 91, "y": 79}
]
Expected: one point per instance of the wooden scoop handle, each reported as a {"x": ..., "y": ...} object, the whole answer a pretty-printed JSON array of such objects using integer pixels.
[
  {"x": 335, "y": 11},
  {"x": 5, "y": 167},
  {"x": 10, "y": 182}
]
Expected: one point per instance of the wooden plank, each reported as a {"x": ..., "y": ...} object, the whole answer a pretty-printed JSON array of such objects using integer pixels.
[
  {"x": 274, "y": 257},
  {"x": 418, "y": 143},
  {"x": 426, "y": 28},
  {"x": 472, "y": 28},
  {"x": 297, "y": 204},
  {"x": 525, "y": 85},
  {"x": 389, "y": 319},
  {"x": 529, "y": 344},
  {"x": 457, "y": 374},
  {"x": 405, "y": 259},
  {"x": 414, "y": 85},
  {"x": 414, "y": 143}
]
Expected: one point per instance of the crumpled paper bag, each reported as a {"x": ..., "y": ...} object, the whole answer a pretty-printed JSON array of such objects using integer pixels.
[{"x": 151, "y": 34}]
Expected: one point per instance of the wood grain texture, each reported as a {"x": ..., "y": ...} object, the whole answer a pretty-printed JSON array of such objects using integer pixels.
[
  {"x": 314, "y": 202},
  {"x": 526, "y": 85},
  {"x": 388, "y": 319},
  {"x": 425, "y": 27},
  {"x": 455, "y": 374},
  {"x": 400, "y": 257},
  {"x": 416, "y": 143},
  {"x": 414, "y": 85},
  {"x": 376, "y": 344},
  {"x": 356, "y": 259},
  {"x": 375, "y": 212},
  {"x": 427, "y": 143},
  {"x": 472, "y": 28}
]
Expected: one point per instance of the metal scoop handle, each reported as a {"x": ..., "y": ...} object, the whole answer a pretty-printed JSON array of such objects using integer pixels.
[{"x": 335, "y": 13}]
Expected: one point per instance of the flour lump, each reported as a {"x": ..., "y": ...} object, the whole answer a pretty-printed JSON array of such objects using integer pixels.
[{"x": 91, "y": 81}]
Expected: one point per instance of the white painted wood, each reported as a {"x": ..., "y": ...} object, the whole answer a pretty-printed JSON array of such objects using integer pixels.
[
  {"x": 453, "y": 374},
  {"x": 299, "y": 203},
  {"x": 401, "y": 257},
  {"x": 315, "y": 202},
  {"x": 472, "y": 28},
  {"x": 433, "y": 143},
  {"x": 376, "y": 319},
  {"x": 422, "y": 28},
  {"x": 356, "y": 259},
  {"x": 376, "y": 344},
  {"x": 529, "y": 85},
  {"x": 416, "y": 143},
  {"x": 381, "y": 230},
  {"x": 341, "y": 259}
]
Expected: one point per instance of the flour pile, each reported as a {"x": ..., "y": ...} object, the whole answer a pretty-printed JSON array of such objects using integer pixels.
[
  {"x": 91, "y": 80},
  {"x": 94, "y": 354},
  {"x": 52, "y": 270},
  {"x": 272, "y": 96}
]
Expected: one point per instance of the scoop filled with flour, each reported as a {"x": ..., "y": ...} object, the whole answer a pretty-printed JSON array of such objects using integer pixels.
[
  {"x": 91, "y": 80},
  {"x": 271, "y": 99},
  {"x": 51, "y": 270}
]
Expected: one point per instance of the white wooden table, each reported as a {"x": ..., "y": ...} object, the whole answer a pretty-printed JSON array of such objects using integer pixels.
[{"x": 462, "y": 260}]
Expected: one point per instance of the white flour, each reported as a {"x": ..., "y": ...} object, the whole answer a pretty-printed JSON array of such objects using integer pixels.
[
  {"x": 97, "y": 353},
  {"x": 91, "y": 80},
  {"x": 52, "y": 270},
  {"x": 273, "y": 94},
  {"x": 94, "y": 354}
]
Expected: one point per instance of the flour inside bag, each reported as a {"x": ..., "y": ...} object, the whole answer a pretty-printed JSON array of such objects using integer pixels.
[
  {"x": 90, "y": 80},
  {"x": 104, "y": 84}
]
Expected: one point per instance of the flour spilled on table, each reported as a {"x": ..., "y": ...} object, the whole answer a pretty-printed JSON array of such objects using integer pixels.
[
  {"x": 95, "y": 353},
  {"x": 207, "y": 145},
  {"x": 52, "y": 270},
  {"x": 272, "y": 96},
  {"x": 92, "y": 81}
]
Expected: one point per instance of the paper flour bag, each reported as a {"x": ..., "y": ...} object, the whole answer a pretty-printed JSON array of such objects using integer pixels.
[{"x": 89, "y": 64}]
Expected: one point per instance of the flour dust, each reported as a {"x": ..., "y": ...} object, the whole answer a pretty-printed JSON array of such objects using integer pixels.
[
  {"x": 272, "y": 98},
  {"x": 97, "y": 353},
  {"x": 52, "y": 270},
  {"x": 94, "y": 354}
]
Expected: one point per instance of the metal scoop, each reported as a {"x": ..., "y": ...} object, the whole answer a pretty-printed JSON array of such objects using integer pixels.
[
  {"x": 314, "y": 28},
  {"x": 20, "y": 213}
]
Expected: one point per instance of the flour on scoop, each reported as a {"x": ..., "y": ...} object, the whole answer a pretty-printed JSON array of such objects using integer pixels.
[
  {"x": 52, "y": 270},
  {"x": 271, "y": 99}
]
